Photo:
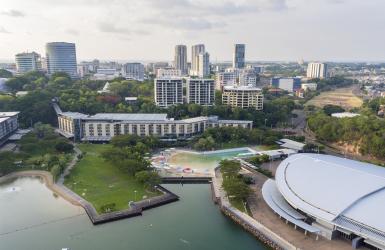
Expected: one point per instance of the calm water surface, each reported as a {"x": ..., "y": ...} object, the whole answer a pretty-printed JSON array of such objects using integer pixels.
[{"x": 31, "y": 218}]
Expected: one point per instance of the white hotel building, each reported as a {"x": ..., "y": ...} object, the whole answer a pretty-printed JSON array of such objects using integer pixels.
[
  {"x": 243, "y": 97},
  {"x": 26, "y": 62},
  {"x": 104, "y": 126},
  {"x": 168, "y": 91},
  {"x": 200, "y": 91}
]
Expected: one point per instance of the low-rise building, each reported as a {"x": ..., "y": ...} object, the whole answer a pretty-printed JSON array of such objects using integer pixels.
[
  {"x": 345, "y": 115},
  {"x": 106, "y": 74},
  {"x": 131, "y": 100},
  {"x": 200, "y": 91},
  {"x": 290, "y": 84},
  {"x": 133, "y": 71},
  {"x": 168, "y": 72},
  {"x": 309, "y": 86},
  {"x": 248, "y": 76},
  {"x": 243, "y": 97},
  {"x": 104, "y": 126},
  {"x": 8, "y": 125},
  {"x": 236, "y": 76},
  {"x": 300, "y": 93},
  {"x": 223, "y": 79}
]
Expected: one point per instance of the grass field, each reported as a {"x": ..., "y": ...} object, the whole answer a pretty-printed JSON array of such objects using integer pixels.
[
  {"x": 239, "y": 204},
  {"x": 101, "y": 183},
  {"x": 343, "y": 97}
]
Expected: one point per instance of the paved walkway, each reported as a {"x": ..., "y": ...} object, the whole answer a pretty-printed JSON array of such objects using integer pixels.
[
  {"x": 60, "y": 189},
  {"x": 70, "y": 165},
  {"x": 256, "y": 227}
]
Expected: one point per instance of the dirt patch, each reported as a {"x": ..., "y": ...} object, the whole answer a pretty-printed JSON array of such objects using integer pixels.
[{"x": 343, "y": 97}]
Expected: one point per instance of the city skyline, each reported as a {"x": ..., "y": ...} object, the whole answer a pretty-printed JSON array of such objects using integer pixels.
[{"x": 283, "y": 30}]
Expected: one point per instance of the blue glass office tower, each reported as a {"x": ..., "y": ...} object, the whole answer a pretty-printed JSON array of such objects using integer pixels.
[
  {"x": 61, "y": 57},
  {"x": 239, "y": 56}
]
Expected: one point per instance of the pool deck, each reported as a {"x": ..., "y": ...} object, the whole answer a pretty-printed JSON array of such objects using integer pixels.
[{"x": 172, "y": 171}]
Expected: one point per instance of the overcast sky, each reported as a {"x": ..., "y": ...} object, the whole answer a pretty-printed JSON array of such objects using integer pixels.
[{"x": 325, "y": 30}]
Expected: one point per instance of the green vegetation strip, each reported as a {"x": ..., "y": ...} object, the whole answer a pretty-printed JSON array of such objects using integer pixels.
[{"x": 101, "y": 183}]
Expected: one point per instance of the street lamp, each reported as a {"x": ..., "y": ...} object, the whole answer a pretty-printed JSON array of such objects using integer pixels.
[{"x": 135, "y": 195}]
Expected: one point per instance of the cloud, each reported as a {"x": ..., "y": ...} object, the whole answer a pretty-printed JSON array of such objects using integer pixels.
[
  {"x": 108, "y": 27},
  {"x": 72, "y": 32},
  {"x": 4, "y": 31},
  {"x": 184, "y": 23},
  {"x": 193, "y": 15},
  {"x": 215, "y": 8},
  {"x": 336, "y": 1},
  {"x": 276, "y": 5},
  {"x": 12, "y": 13}
]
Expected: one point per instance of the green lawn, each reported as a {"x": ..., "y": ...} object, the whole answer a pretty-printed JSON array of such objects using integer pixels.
[
  {"x": 239, "y": 204},
  {"x": 101, "y": 183}
]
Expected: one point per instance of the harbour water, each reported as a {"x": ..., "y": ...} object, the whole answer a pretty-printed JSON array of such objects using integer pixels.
[{"x": 32, "y": 218}]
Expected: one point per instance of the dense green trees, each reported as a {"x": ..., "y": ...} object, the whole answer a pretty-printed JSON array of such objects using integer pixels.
[
  {"x": 82, "y": 96},
  {"x": 10, "y": 161},
  {"x": 367, "y": 132},
  {"x": 233, "y": 183},
  {"x": 121, "y": 141},
  {"x": 38, "y": 150},
  {"x": 258, "y": 160},
  {"x": 129, "y": 160},
  {"x": 34, "y": 107},
  {"x": 5, "y": 73},
  {"x": 128, "y": 154},
  {"x": 64, "y": 147},
  {"x": 148, "y": 178},
  {"x": 29, "y": 81},
  {"x": 333, "y": 82},
  {"x": 331, "y": 109},
  {"x": 375, "y": 104},
  {"x": 223, "y": 137}
]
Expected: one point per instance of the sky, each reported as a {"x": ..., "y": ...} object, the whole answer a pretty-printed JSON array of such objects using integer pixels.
[{"x": 148, "y": 30}]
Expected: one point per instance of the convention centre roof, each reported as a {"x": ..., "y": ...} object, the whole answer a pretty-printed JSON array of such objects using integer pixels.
[{"x": 343, "y": 192}]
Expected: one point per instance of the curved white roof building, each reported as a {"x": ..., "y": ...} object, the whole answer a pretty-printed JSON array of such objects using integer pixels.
[{"x": 336, "y": 195}]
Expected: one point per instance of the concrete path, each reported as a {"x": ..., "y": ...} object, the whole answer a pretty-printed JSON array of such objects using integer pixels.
[{"x": 70, "y": 165}]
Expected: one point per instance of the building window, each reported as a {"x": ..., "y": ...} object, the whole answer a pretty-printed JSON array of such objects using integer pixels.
[
  {"x": 99, "y": 129},
  {"x": 125, "y": 129},
  {"x": 142, "y": 130},
  {"x": 108, "y": 130},
  {"x": 117, "y": 129}
]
